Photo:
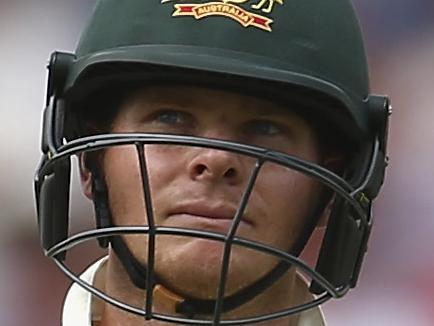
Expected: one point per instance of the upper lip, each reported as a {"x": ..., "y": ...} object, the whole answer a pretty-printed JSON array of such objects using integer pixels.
[{"x": 208, "y": 210}]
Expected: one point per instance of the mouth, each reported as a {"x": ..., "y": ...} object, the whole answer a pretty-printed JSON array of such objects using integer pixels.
[{"x": 207, "y": 215}]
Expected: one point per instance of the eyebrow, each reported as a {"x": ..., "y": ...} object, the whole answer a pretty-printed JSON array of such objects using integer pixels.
[{"x": 280, "y": 111}]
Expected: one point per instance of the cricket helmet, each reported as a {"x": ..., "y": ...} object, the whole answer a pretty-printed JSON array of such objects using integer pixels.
[{"x": 308, "y": 51}]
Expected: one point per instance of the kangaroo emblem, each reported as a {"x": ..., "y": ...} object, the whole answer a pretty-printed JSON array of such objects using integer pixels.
[
  {"x": 259, "y": 5},
  {"x": 271, "y": 3}
]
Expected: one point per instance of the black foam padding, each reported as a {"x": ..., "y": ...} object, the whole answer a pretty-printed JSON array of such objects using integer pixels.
[{"x": 54, "y": 205}]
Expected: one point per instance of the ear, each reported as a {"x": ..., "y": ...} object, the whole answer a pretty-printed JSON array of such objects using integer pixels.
[{"x": 85, "y": 176}]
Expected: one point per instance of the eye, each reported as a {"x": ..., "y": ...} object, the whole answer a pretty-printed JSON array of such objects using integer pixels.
[
  {"x": 170, "y": 121},
  {"x": 171, "y": 117},
  {"x": 263, "y": 127}
]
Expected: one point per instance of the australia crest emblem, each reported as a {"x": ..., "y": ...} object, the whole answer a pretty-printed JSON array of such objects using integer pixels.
[{"x": 247, "y": 13}]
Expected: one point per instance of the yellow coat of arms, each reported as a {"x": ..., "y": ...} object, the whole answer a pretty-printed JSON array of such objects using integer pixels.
[{"x": 231, "y": 9}]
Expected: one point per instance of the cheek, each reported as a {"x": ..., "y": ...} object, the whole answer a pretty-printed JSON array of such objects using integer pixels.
[
  {"x": 123, "y": 179},
  {"x": 164, "y": 165},
  {"x": 286, "y": 198}
]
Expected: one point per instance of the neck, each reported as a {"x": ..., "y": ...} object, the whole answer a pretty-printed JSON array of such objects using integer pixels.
[{"x": 286, "y": 292}]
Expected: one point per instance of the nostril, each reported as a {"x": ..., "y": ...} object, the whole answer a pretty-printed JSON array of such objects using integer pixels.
[
  {"x": 200, "y": 169},
  {"x": 203, "y": 169},
  {"x": 230, "y": 173}
]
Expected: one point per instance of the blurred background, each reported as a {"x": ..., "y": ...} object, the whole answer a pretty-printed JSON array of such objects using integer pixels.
[{"x": 397, "y": 283}]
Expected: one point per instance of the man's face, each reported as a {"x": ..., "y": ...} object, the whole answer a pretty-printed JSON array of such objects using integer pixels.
[{"x": 200, "y": 188}]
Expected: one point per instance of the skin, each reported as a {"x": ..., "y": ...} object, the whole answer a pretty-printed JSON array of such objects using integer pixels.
[{"x": 200, "y": 188}]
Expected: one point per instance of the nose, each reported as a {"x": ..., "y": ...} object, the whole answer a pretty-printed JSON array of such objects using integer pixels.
[{"x": 216, "y": 166}]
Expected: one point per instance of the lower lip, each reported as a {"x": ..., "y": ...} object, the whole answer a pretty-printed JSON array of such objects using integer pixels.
[{"x": 203, "y": 222}]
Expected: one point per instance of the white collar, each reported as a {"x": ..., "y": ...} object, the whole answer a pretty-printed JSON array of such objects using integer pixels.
[{"x": 81, "y": 308}]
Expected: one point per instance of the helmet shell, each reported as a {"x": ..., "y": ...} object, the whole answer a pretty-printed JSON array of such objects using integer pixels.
[{"x": 312, "y": 44}]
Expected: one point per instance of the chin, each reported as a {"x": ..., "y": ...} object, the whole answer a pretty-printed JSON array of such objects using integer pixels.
[{"x": 195, "y": 265}]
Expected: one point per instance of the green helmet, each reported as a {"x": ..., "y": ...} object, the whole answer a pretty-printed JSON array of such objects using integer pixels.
[
  {"x": 315, "y": 45},
  {"x": 311, "y": 51}
]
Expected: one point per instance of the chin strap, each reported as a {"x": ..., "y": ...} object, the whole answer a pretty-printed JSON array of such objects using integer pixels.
[{"x": 188, "y": 306}]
